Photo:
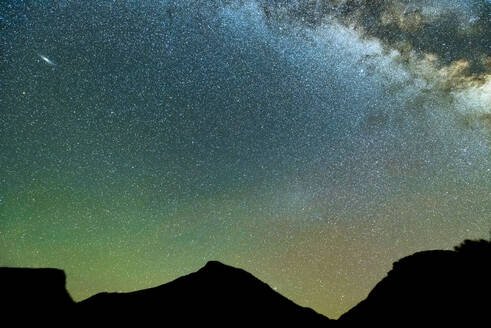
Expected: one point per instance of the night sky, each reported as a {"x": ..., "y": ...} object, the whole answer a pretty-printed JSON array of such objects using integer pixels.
[{"x": 311, "y": 143}]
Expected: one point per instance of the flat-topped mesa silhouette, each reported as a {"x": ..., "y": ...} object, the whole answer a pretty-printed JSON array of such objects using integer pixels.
[
  {"x": 431, "y": 288},
  {"x": 217, "y": 294},
  {"x": 34, "y": 296}
]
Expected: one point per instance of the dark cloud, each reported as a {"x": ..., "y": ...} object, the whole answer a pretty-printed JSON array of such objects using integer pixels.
[
  {"x": 447, "y": 44},
  {"x": 451, "y": 30}
]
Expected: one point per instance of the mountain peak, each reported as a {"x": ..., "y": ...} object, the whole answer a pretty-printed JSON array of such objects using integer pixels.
[
  {"x": 217, "y": 266},
  {"x": 217, "y": 293},
  {"x": 219, "y": 269}
]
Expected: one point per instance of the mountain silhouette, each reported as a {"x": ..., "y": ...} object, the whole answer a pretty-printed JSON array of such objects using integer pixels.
[
  {"x": 430, "y": 288},
  {"x": 217, "y": 294},
  {"x": 29, "y": 297}
]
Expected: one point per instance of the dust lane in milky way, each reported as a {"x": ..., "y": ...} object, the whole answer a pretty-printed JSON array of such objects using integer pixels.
[{"x": 312, "y": 143}]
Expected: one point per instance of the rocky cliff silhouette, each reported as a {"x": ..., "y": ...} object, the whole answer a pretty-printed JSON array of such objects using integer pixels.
[
  {"x": 431, "y": 289},
  {"x": 29, "y": 297},
  {"x": 427, "y": 288}
]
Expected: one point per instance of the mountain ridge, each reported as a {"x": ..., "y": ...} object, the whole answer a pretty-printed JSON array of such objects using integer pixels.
[{"x": 430, "y": 287}]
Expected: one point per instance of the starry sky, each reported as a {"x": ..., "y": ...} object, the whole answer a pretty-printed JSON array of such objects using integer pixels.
[{"x": 312, "y": 143}]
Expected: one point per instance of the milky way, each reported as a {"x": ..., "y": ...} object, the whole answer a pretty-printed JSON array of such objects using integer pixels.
[{"x": 312, "y": 143}]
